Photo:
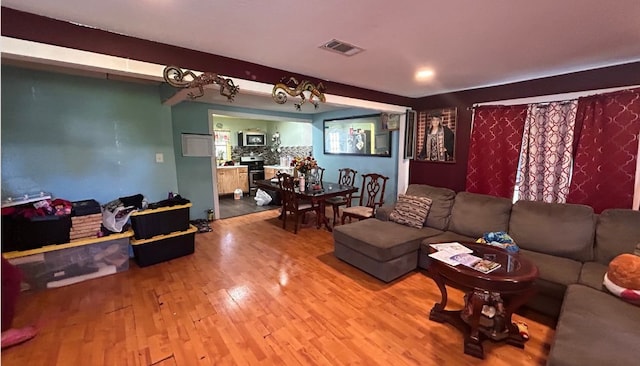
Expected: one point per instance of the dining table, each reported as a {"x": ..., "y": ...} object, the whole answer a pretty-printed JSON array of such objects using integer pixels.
[{"x": 317, "y": 194}]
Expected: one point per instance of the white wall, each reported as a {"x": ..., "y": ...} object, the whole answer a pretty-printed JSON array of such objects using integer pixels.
[{"x": 292, "y": 133}]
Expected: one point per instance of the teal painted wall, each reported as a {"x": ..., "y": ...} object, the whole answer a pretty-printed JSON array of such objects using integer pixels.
[
  {"x": 195, "y": 180},
  {"x": 80, "y": 137},
  {"x": 363, "y": 164}
]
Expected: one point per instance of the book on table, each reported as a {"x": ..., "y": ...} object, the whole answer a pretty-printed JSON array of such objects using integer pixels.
[{"x": 475, "y": 262}]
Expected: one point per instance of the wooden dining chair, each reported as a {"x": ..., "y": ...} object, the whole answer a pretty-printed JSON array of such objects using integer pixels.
[
  {"x": 347, "y": 177},
  {"x": 320, "y": 172},
  {"x": 371, "y": 197},
  {"x": 291, "y": 204}
]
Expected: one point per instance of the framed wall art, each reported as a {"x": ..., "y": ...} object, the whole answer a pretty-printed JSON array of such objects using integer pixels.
[
  {"x": 389, "y": 121},
  {"x": 409, "y": 135},
  {"x": 436, "y": 135}
]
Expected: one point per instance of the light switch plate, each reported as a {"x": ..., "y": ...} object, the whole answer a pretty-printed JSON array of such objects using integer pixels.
[{"x": 159, "y": 158}]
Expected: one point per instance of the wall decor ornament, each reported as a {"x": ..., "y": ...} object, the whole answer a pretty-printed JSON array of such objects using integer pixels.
[
  {"x": 298, "y": 89},
  {"x": 179, "y": 78}
]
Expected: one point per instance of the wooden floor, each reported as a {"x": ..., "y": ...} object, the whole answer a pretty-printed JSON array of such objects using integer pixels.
[
  {"x": 230, "y": 207},
  {"x": 253, "y": 294}
]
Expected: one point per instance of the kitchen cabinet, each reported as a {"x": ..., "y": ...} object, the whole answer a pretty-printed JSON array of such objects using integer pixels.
[
  {"x": 243, "y": 179},
  {"x": 229, "y": 178}
]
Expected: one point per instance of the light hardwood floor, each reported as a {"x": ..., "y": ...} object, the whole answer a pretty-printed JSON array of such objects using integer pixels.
[{"x": 253, "y": 294}]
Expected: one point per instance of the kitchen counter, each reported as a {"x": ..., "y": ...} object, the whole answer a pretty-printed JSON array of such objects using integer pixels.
[
  {"x": 278, "y": 167},
  {"x": 270, "y": 171},
  {"x": 232, "y": 167}
]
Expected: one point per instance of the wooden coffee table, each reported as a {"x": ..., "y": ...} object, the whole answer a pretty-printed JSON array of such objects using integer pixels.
[{"x": 505, "y": 289}]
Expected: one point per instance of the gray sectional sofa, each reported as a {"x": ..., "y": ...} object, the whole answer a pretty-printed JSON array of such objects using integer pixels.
[{"x": 570, "y": 244}]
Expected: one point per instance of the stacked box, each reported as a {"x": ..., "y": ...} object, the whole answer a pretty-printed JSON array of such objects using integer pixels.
[
  {"x": 160, "y": 221},
  {"x": 23, "y": 234},
  {"x": 64, "y": 264},
  {"x": 162, "y": 248},
  {"x": 85, "y": 226},
  {"x": 84, "y": 208}
]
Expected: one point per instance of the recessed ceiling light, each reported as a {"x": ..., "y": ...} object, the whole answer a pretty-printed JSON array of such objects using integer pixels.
[{"x": 424, "y": 74}]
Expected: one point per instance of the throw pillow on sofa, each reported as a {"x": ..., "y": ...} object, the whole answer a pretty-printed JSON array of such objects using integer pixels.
[{"x": 411, "y": 210}]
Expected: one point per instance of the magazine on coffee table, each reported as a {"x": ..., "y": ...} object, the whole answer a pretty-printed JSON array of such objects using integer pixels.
[
  {"x": 453, "y": 247},
  {"x": 477, "y": 263},
  {"x": 446, "y": 250}
]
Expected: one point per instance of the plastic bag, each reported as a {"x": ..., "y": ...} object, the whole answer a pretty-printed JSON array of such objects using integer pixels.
[
  {"x": 262, "y": 198},
  {"x": 115, "y": 215}
]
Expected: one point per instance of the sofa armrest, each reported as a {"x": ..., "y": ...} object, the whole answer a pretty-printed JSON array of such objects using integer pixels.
[{"x": 383, "y": 212}]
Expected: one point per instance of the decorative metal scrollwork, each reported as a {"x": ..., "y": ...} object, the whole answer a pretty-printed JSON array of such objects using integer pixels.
[
  {"x": 179, "y": 78},
  {"x": 295, "y": 89}
]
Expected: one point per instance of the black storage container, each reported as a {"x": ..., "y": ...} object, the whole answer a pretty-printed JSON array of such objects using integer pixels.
[
  {"x": 164, "y": 248},
  {"x": 24, "y": 234},
  {"x": 84, "y": 208},
  {"x": 160, "y": 221}
]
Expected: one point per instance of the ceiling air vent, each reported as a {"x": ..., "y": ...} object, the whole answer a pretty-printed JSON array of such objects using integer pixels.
[{"x": 342, "y": 48}]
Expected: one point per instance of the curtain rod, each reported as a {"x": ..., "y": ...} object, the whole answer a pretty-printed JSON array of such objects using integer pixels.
[
  {"x": 546, "y": 103},
  {"x": 569, "y": 96}
]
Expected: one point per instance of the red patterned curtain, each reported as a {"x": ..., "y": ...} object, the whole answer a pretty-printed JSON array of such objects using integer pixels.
[
  {"x": 494, "y": 149},
  {"x": 608, "y": 128},
  {"x": 545, "y": 164}
]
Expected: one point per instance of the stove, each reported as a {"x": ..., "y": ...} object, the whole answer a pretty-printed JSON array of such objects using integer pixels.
[{"x": 255, "y": 166}]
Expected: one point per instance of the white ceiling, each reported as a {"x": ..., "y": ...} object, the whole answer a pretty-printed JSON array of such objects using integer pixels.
[{"x": 468, "y": 43}]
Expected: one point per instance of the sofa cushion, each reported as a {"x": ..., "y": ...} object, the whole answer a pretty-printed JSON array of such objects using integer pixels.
[
  {"x": 595, "y": 328},
  {"x": 381, "y": 240},
  {"x": 441, "y": 202},
  {"x": 411, "y": 210},
  {"x": 592, "y": 274},
  {"x": 383, "y": 212},
  {"x": 617, "y": 232},
  {"x": 560, "y": 229},
  {"x": 446, "y": 237},
  {"x": 555, "y": 273},
  {"x": 474, "y": 214}
]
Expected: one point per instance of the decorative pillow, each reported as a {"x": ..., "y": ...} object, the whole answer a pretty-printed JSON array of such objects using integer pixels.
[
  {"x": 623, "y": 278},
  {"x": 411, "y": 210}
]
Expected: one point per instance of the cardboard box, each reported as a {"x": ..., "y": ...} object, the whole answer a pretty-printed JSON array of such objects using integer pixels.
[{"x": 85, "y": 226}]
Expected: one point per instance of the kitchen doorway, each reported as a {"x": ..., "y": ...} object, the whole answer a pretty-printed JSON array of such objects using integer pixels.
[{"x": 231, "y": 167}]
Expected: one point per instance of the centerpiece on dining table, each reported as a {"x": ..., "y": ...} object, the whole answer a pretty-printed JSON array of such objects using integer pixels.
[{"x": 304, "y": 167}]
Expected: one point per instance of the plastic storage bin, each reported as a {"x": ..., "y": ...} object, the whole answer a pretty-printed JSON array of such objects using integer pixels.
[
  {"x": 165, "y": 247},
  {"x": 25, "y": 234},
  {"x": 65, "y": 264},
  {"x": 84, "y": 208},
  {"x": 160, "y": 221}
]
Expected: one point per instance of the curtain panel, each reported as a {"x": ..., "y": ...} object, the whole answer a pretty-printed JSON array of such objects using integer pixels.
[
  {"x": 494, "y": 149},
  {"x": 547, "y": 144},
  {"x": 606, "y": 150}
]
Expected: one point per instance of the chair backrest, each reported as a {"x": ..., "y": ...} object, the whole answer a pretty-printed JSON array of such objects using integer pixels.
[
  {"x": 288, "y": 189},
  {"x": 372, "y": 193},
  {"x": 347, "y": 176},
  {"x": 320, "y": 174}
]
